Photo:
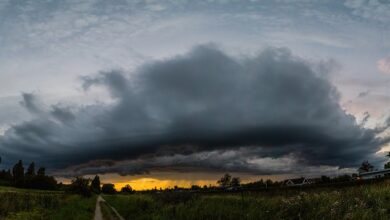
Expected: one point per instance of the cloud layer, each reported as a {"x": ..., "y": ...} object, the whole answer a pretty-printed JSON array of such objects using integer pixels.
[{"x": 175, "y": 113}]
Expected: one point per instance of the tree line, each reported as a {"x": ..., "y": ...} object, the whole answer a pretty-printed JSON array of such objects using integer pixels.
[
  {"x": 87, "y": 187},
  {"x": 29, "y": 178}
]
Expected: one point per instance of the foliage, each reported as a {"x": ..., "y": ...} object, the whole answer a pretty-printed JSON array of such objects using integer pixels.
[
  {"x": 18, "y": 173},
  {"x": 228, "y": 181},
  {"x": 224, "y": 182},
  {"x": 80, "y": 186},
  {"x": 29, "y": 179},
  {"x": 30, "y": 170},
  {"x": 108, "y": 188},
  {"x": 387, "y": 165},
  {"x": 127, "y": 189},
  {"x": 235, "y": 182},
  {"x": 95, "y": 185},
  {"x": 365, "y": 167}
]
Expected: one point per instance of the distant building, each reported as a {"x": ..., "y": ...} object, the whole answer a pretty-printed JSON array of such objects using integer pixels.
[
  {"x": 374, "y": 174},
  {"x": 297, "y": 182}
]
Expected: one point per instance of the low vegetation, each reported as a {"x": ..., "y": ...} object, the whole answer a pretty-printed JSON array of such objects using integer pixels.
[
  {"x": 37, "y": 204},
  {"x": 354, "y": 202}
]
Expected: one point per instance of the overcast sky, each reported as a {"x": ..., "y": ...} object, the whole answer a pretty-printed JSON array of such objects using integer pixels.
[{"x": 141, "y": 86}]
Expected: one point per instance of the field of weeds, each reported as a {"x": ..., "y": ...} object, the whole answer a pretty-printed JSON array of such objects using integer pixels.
[
  {"x": 355, "y": 202},
  {"x": 22, "y": 204}
]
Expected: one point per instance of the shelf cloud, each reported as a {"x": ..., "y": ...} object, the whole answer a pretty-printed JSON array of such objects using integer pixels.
[{"x": 177, "y": 112}]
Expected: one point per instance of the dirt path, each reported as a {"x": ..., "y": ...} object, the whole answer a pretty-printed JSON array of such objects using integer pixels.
[{"x": 98, "y": 210}]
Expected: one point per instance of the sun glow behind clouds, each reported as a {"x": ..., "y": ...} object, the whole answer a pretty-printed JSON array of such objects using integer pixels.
[
  {"x": 151, "y": 183},
  {"x": 171, "y": 179}
]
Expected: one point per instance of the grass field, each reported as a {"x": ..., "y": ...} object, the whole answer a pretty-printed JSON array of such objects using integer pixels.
[
  {"x": 23, "y": 204},
  {"x": 356, "y": 202}
]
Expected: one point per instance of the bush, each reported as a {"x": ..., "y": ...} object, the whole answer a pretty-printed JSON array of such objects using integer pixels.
[
  {"x": 80, "y": 186},
  {"x": 127, "y": 189},
  {"x": 108, "y": 188}
]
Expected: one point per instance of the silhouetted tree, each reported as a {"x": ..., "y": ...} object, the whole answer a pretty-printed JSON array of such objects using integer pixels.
[
  {"x": 224, "y": 182},
  {"x": 108, "y": 188},
  {"x": 41, "y": 171},
  {"x": 18, "y": 174},
  {"x": 195, "y": 187},
  {"x": 95, "y": 185},
  {"x": 365, "y": 167},
  {"x": 325, "y": 179},
  {"x": 30, "y": 170},
  {"x": 29, "y": 177},
  {"x": 80, "y": 186},
  {"x": 236, "y": 182},
  {"x": 128, "y": 189},
  {"x": 387, "y": 165},
  {"x": 8, "y": 175}
]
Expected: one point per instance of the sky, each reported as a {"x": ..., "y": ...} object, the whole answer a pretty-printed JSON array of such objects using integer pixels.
[{"x": 178, "y": 92}]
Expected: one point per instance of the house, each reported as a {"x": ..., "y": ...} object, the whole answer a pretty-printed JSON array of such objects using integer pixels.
[
  {"x": 374, "y": 174},
  {"x": 297, "y": 182}
]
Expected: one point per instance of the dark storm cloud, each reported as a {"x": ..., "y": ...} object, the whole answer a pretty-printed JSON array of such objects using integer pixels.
[
  {"x": 272, "y": 105},
  {"x": 31, "y": 103},
  {"x": 62, "y": 114}
]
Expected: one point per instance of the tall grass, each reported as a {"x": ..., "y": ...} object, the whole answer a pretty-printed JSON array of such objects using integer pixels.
[
  {"x": 74, "y": 207},
  {"x": 18, "y": 204},
  {"x": 13, "y": 202},
  {"x": 357, "y": 202}
]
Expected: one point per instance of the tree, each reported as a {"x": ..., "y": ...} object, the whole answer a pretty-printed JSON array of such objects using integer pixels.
[
  {"x": 236, "y": 182},
  {"x": 224, "y": 182},
  {"x": 29, "y": 179},
  {"x": 195, "y": 187},
  {"x": 325, "y": 179},
  {"x": 41, "y": 171},
  {"x": 127, "y": 189},
  {"x": 80, "y": 186},
  {"x": 30, "y": 170},
  {"x": 387, "y": 165},
  {"x": 95, "y": 185},
  {"x": 108, "y": 188},
  {"x": 8, "y": 175},
  {"x": 18, "y": 173},
  {"x": 365, "y": 167}
]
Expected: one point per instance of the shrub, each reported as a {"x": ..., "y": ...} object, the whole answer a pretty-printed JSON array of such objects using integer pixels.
[
  {"x": 108, "y": 188},
  {"x": 80, "y": 186}
]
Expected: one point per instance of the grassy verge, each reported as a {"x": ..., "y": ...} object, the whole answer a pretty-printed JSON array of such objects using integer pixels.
[
  {"x": 358, "y": 202},
  {"x": 74, "y": 207},
  {"x": 108, "y": 214}
]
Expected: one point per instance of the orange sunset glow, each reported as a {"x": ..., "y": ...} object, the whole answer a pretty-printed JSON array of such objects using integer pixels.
[
  {"x": 150, "y": 183},
  {"x": 165, "y": 180}
]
